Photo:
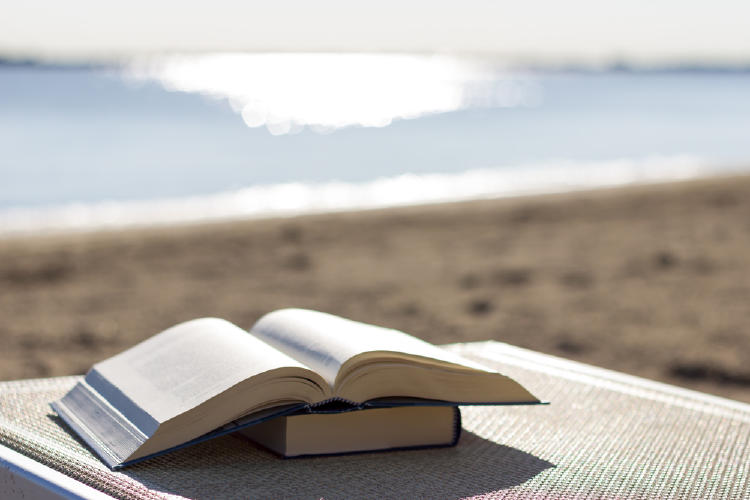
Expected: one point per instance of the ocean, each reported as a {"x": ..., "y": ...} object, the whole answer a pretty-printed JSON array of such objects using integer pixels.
[{"x": 186, "y": 138}]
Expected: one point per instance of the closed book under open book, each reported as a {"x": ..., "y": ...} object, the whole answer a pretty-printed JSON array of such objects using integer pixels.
[
  {"x": 208, "y": 377},
  {"x": 373, "y": 429}
]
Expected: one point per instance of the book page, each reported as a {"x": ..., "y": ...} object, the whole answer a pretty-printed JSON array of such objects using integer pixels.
[
  {"x": 324, "y": 342},
  {"x": 181, "y": 368}
]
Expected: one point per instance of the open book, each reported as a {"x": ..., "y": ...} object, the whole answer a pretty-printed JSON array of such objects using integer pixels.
[{"x": 207, "y": 377}]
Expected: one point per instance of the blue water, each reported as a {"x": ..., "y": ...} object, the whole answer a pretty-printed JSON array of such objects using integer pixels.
[{"x": 86, "y": 135}]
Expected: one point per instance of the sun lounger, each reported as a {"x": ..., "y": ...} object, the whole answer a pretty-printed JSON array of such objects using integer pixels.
[{"x": 604, "y": 435}]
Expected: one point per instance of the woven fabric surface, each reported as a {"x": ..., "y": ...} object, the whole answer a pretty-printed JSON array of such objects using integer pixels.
[{"x": 604, "y": 435}]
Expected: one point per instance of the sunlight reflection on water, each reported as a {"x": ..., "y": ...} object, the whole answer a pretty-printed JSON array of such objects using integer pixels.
[{"x": 286, "y": 92}]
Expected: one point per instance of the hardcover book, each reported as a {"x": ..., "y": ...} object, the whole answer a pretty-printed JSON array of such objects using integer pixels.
[
  {"x": 208, "y": 377},
  {"x": 375, "y": 429}
]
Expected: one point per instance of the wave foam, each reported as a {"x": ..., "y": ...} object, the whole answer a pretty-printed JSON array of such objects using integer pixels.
[{"x": 290, "y": 199}]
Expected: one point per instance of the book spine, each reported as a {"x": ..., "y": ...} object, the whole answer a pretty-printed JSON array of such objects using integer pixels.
[
  {"x": 456, "y": 426},
  {"x": 335, "y": 405}
]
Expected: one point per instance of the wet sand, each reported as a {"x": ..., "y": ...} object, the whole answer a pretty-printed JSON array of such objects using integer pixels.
[{"x": 652, "y": 281}]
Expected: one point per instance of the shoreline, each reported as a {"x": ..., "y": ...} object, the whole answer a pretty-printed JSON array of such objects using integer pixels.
[
  {"x": 287, "y": 200},
  {"x": 651, "y": 280}
]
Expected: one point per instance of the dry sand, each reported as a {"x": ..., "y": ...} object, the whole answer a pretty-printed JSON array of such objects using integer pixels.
[{"x": 653, "y": 281}]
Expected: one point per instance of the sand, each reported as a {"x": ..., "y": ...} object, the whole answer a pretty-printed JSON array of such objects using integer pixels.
[{"x": 652, "y": 281}]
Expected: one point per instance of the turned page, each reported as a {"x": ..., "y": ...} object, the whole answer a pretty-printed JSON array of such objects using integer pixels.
[
  {"x": 324, "y": 342},
  {"x": 181, "y": 368}
]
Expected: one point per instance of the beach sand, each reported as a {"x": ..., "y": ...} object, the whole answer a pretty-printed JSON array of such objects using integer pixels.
[{"x": 651, "y": 280}]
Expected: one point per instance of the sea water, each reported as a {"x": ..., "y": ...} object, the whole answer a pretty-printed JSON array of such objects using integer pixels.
[{"x": 217, "y": 136}]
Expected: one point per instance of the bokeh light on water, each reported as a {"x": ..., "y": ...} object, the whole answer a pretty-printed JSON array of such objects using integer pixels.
[{"x": 286, "y": 92}]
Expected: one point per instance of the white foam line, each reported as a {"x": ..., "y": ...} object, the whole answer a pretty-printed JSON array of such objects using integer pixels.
[{"x": 290, "y": 199}]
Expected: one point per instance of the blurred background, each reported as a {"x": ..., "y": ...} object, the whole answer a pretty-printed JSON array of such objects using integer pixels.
[{"x": 595, "y": 157}]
